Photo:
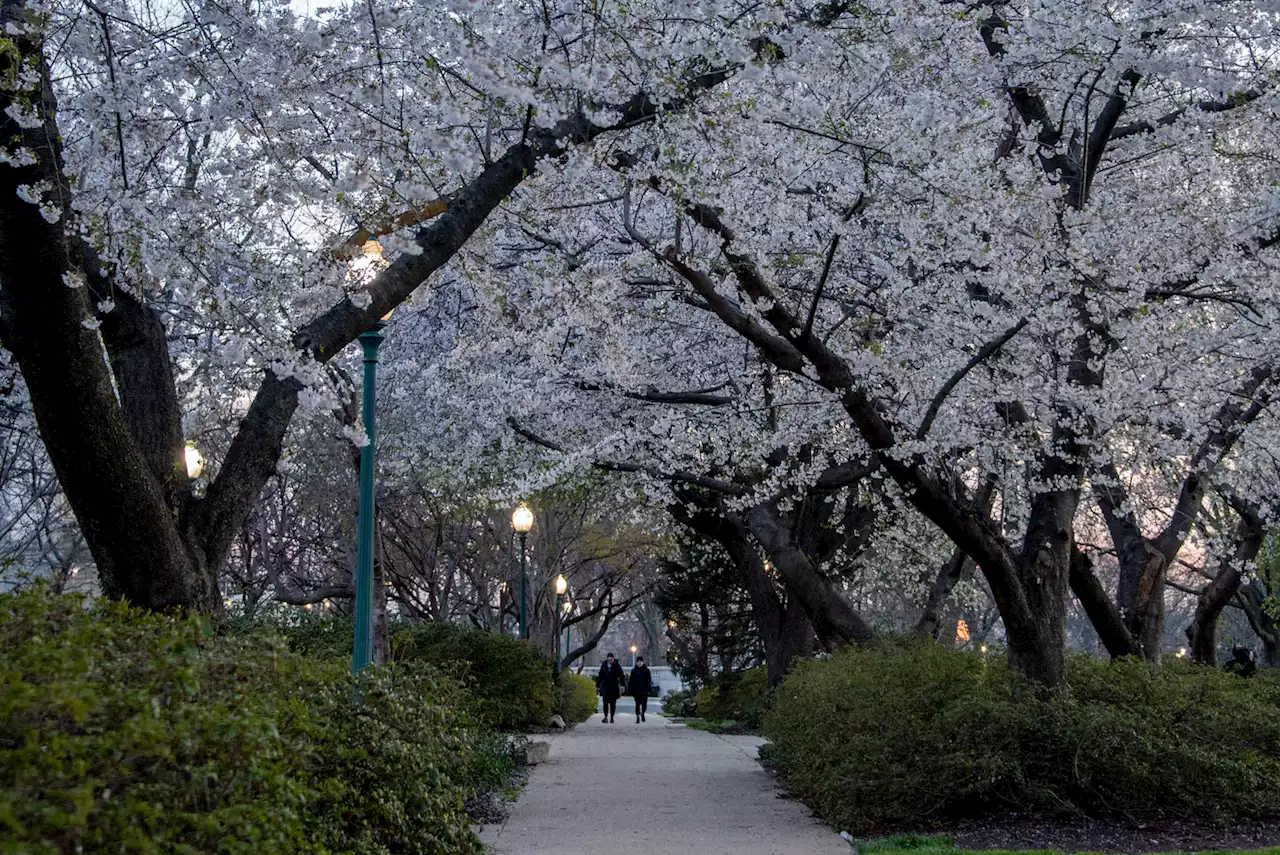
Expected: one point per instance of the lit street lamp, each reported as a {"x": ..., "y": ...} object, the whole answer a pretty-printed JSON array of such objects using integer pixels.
[
  {"x": 362, "y": 653},
  {"x": 633, "y": 655},
  {"x": 195, "y": 461},
  {"x": 522, "y": 522}
]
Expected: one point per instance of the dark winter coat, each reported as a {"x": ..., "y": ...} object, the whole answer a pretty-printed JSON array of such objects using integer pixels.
[
  {"x": 640, "y": 682},
  {"x": 610, "y": 680}
]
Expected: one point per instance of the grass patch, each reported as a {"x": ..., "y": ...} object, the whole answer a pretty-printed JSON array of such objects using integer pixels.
[
  {"x": 727, "y": 727},
  {"x": 711, "y": 725},
  {"x": 916, "y": 844}
]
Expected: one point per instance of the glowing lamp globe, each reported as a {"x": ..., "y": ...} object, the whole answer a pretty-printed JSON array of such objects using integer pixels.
[{"x": 195, "y": 462}]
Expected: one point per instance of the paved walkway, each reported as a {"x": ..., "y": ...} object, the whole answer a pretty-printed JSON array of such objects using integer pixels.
[{"x": 656, "y": 789}]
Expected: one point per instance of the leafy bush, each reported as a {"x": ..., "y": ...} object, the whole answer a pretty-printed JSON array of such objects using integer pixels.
[
  {"x": 325, "y": 636},
  {"x": 741, "y": 697},
  {"x": 888, "y": 738},
  {"x": 681, "y": 704},
  {"x": 510, "y": 681},
  {"x": 575, "y": 697},
  {"x": 125, "y": 731}
]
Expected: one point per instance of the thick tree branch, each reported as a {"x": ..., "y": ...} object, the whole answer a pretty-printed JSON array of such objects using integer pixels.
[
  {"x": 984, "y": 353},
  {"x": 699, "y": 397},
  {"x": 1244, "y": 407},
  {"x": 138, "y": 346},
  {"x": 693, "y": 479},
  {"x": 255, "y": 450},
  {"x": 1207, "y": 106}
]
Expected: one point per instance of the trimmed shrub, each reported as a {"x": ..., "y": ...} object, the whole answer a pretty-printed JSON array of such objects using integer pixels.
[
  {"x": 321, "y": 636},
  {"x": 126, "y": 731},
  {"x": 881, "y": 739},
  {"x": 680, "y": 704},
  {"x": 575, "y": 697},
  {"x": 741, "y": 697},
  {"x": 510, "y": 681}
]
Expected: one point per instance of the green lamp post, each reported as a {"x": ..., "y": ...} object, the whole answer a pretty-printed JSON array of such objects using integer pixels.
[
  {"x": 362, "y": 654},
  {"x": 562, "y": 585},
  {"x": 522, "y": 522},
  {"x": 568, "y": 610}
]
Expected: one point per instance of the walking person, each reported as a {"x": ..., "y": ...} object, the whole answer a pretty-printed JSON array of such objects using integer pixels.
[
  {"x": 638, "y": 686},
  {"x": 609, "y": 683}
]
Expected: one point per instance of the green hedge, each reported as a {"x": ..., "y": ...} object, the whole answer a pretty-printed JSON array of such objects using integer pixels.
[
  {"x": 124, "y": 731},
  {"x": 892, "y": 738},
  {"x": 510, "y": 680},
  {"x": 680, "y": 704},
  {"x": 741, "y": 697},
  {"x": 575, "y": 697}
]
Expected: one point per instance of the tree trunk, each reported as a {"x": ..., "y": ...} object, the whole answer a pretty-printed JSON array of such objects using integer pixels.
[
  {"x": 1037, "y": 646},
  {"x": 50, "y": 328},
  {"x": 958, "y": 566},
  {"x": 785, "y": 629},
  {"x": 791, "y": 640},
  {"x": 930, "y": 622},
  {"x": 1112, "y": 630},
  {"x": 1253, "y": 600},
  {"x": 1271, "y": 652},
  {"x": 834, "y": 620},
  {"x": 1218, "y": 594}
]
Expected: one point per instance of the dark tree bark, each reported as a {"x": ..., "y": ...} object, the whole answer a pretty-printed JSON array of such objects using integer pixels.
[
  {"x": 786, "y": 631},
  {"x": 1144, "y": 562},
  {"x": 958, "y": 566},
  {"x": 109, "y": 481},
  {"x": 1098, "y": 607},
  {"x": 834, "y": 619},
  {"x": 1218, "y": 594},
  {"x": 1028, "y": 584}
]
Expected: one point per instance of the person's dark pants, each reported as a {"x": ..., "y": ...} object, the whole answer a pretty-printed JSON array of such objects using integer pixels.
[
  {"x": 642, "y": 704},
  {"x": 610, "y": 707}
]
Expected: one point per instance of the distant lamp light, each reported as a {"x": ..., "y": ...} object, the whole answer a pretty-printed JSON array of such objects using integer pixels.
[
  {"x": 982, "y": 649},
  {"x": 1182, "y": 653},
  {"x": 522, "y": 520},
  {"x": 568, "y": 607},
  {"x": 671, "y": 624},
  {"x": 962, "y": 632},
  {"x": 308, "y": 607},
  {"x": 634, "y": 648},
  {"x": 195, "y": 461},
  {"x": 562, "y": 584}
]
